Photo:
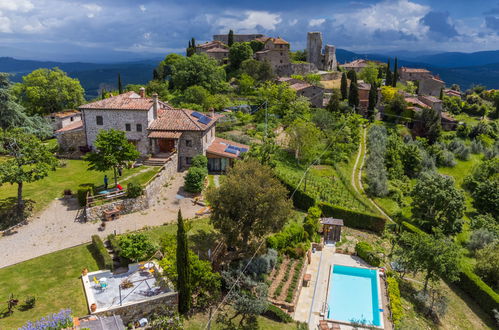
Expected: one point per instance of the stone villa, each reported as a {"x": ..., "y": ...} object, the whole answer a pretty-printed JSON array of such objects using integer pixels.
[
  {"x": 314, "y": 94},
  {"x": 156, "y": 129}
]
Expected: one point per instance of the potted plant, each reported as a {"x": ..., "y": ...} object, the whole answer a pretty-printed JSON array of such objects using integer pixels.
[
  {"x": 102, "y": 226},
  {"x": 93, "y": 307},
  {"x": 84, "y": 271}
]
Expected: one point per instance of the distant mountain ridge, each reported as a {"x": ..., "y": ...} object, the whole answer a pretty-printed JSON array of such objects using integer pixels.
[{"x": 465, "y": 69}]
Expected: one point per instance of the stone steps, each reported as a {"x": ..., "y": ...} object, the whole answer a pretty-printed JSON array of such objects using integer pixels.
[{"x": 154, "y": 162}]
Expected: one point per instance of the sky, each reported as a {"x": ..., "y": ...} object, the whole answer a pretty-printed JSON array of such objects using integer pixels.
[{"x": 119, "y": 30}]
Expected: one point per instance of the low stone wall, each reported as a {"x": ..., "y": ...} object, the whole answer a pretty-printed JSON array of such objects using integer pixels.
[
  {"x": 330, "y": 75},
  {"x": 131, "y": 205},
  {"x": 138, "y": 310},
  {"x": 287, "y": 70}
]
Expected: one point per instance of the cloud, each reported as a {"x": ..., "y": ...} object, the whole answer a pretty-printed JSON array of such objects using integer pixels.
[
  {"x": 251, "y": 21},
  {"x": 440, "y": 25},
  {"x": 142, "y": 8},
  {"x": 16, "y": 5},
  {"x": 316, "y": 21},
  {"x": 5, "y": 25},
  {"x": 492, "y": 23},
  {"x": 93, "y": 9}
]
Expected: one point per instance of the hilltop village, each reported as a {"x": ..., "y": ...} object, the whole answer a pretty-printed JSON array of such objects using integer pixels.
[{"x": 250, "y": 185}]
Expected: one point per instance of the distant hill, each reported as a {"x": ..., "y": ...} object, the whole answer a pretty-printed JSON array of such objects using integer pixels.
[
  {"x": 456, "y": 60},
  {"x": 93, "y": 76}
]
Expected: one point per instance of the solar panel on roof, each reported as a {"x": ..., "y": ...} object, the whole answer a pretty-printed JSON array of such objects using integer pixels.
[
  {"x": 243, "y": 150},
  {"x": 204, "y": 120},
  {"x": 231, "y": 151},
  {"x": 197, "y": 114}
]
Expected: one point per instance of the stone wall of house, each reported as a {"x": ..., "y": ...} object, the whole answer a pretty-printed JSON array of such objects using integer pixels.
[
  {"x": 131, "y": 205},
  {"x": 295, "y": 68},
  {"x": 117, "y": 119},
  {"x": 276, "y": 57},
  {"x": 199, "y": 142},
  {"x": 134, "y": 312},
  {"x": 69, "y": 141},
  {"x": 430, "y": 87},
  {"x": 315, "y": 95}
]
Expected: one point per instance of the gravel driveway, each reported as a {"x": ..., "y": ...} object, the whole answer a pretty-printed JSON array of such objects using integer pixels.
[{"x": 57, "y": 227}]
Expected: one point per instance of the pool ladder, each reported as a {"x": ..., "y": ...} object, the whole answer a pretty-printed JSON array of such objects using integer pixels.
[{"x": 324, "y": 309}]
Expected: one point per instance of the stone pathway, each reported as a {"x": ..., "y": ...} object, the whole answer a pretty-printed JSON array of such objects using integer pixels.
[{"x": 58, "y": 226}]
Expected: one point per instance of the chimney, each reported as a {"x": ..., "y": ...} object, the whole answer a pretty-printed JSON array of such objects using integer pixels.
[
  {"x": 142, "y": 92},
  {"x": 155, "y": 105}
]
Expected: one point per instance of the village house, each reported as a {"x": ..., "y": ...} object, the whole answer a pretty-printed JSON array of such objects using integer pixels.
[
  {"x": 364, "y": 89},
  {"x": 315, "y": 94},
  {"x": 63, "y": 118},
  {"x": 158, "y": 129},
  {"x": 413, "y": 74},
  {"x": 237, "y": 37},
  {"x": 356, "y": 65},
  {"x": 452, "y": 93},
  {"x": 431, "y": 86},
  {"x": 275, "y": 51},
  {"x": 215, "y": 49},
  {"x": 432, "y": 102}
]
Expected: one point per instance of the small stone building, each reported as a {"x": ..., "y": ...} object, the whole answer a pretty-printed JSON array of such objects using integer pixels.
[
  {"x": 364, "y": 89},
  {"x": 432, "y": 102},
  {"x": 63, "y": 118},
  {"x": 356, "y": 65},
  {"x": 214, "y": 49},
  {"x": 315, "y": 94},
  {"x": 221, "y": 154},
  {"x": 413, "y": 74},
  {"x": 71, "y": 137},
  {"x": 431, "y": 86}
]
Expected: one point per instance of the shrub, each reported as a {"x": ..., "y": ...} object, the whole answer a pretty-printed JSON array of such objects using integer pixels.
[
  {"x": 463, "y": 153},
  {"x": 115, "y": 245},
  {"x": 103, "y": 257},
  {"x": 476, "y": 147},
  {"x": 194, "y": 180},
  {"x": 136, "y": 247},
  {"x": 134, "y": 190},
  {"x": 56, "y": 321},
  {"x": 277, "y": 314},
  {"x": 200, "y": 161},
  {"x": 395, "y": 302},
  {"x": 446, "y": 159},
  {"x": 487, "y": 264},
  {"x": 354, "y": 219},
  {"x": 479, "y": 238},
  {"x": 263, "y": 264},
  {"x": 366, "y": 252},
  {"x": 82, "y": 195},
  {"x": 483, "y": 294}
]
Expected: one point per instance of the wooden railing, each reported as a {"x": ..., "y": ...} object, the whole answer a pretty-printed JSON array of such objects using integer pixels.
[{"x": 92, "y": 200}]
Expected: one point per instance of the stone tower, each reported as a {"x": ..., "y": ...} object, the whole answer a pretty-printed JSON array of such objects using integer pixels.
[
  {"x": 330, "y": 63},
  {"x": 314, "y": 48}
]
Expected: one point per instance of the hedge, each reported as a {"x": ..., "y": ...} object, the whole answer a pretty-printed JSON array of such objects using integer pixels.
[
  {"x": 366, "y": 252},
  {"x": 354, "y": 219},
  {"x": 82, "y": 195},
  {"x": 103, "y": 257},
  {"x": 277, "y": 314},
  {"x": 115, "y": 244},
  {"x": 470, "y": 283},
  {"x": 483, "y": 294},
  {"x": 395, "y": 302}
]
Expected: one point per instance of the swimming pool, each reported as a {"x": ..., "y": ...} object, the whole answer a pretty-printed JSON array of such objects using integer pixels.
[{"x": 353, "y": 295}]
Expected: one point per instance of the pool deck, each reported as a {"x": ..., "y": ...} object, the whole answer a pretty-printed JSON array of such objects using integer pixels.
[{"x": 311, "y": 299}]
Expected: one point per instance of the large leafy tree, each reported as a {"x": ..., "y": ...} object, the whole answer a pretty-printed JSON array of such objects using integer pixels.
[
  {"x": 436, "y": 257},
  {"x": 369, "y": 73},
  {"x": 334, "y": 102},
  {"x": 44, "y": 91},
  {"x": 136, "y": 247},
  {"x": 258, "y": 70},
  {"x": 239, "y": 52},
  {"x": 198, "y": 70},
  {"x": 13, "y": 115},
  {"x": 430, "y": 122},
  {"x": 486, "y": 197},
  {"x": 304, "y": 139},
  {"x": 29, "y": 160},
  {"x": 183, "y": 269},
  {"x": 249, "y": 204},
  {"x": 112, "y": 151},
  {"x": 437, "y": 204},
  {"x": 277, "y": 98}
]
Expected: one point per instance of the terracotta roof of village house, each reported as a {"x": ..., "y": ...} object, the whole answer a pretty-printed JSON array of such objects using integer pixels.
[
  {"x": 447, "y": 116},
  {"x": 279, "y": 41},
  {"x": 125, "y": 101},
  {"x": 431, "y": 98},
  {"x": 71, "y": 127},
  {"x": 211, "y": 43},
  {"x": 414, "y": 70},
  {"x": 217, "y": 50},
  {"x": 356, "y": 63},
  {"x": 164, "y": 135},
  {"x": 300, "y": 86},
  {"x": 218, "y": 147},
  {"x": 180, "y": 120},
  {"x": 415, "y": 101},
  {"x": 65, "y": 113},
  {"x": 262, "y": 39},
  {"x": 363, "y": 85}
]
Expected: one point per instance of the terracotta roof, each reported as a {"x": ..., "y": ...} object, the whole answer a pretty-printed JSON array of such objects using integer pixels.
[
  {"x": 300, "y": 86},
  {"x": 65, "y": 113},
  {"x": 214, "y": 43},
  {"x": 363, "y": 85},
  {"x": 356, "y": 63},
  {"x": 217, "y": 50},
  {"x": 71, "y": 127},
  {"x": 180, "y": 120},
  {"x": 452, "y": 92},
  {"x": 415, "y": 101},
  {"x": 430, "y": 98},
  {"x": 446, "y": 116},
  {"x": 126, "y": 101},
  {"x": 218, "y": 147},
  {"x": 436, "y": 79},
  {"x": 279, "y": 41},
  {"x": 263, "y": 39},
  {"x": 164, "y": 135},
  {"x": 413, "y": 70}
]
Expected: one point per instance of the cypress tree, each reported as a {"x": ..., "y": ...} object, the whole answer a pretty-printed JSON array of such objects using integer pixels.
[
  {"x": 103, "y": 94},
  {"x": 344, "y": 86},
  {"x": 334, "y": 101},
  {"x": 353, "y": 95},
  {"x": 183, "y": 272},
  {"x": 352, "y": 75},
  {"x": 388, "y": 74},
  {"x": 441, "y": 94},
  {"x": 193, "y": 43},
  {"x": 230, "y": 38},
  {"x": 372, "y": 99},
  {"x": 120, "y": 86},
  {"x": 395, "y": 73}
]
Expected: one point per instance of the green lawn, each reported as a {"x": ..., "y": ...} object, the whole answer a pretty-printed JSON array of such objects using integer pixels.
[
  {"x": 72, "y": 176},
  {"x": 54, "y": 279}
]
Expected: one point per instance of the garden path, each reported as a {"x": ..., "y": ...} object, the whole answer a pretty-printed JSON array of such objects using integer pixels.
[{"x": 58, "y": 226}]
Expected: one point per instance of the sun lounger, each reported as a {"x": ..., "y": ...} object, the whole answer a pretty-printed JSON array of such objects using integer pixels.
[{"x": 203, "y": 211}]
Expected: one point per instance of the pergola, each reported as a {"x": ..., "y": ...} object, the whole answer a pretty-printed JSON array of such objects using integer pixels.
[{"x": 331, "y": 229}]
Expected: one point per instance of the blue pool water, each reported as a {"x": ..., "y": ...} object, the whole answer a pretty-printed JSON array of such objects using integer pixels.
[{"x": 353, "y": 295}]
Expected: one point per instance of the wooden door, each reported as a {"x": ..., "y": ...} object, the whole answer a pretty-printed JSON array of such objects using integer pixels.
[{"x": 166, "y": 145}]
